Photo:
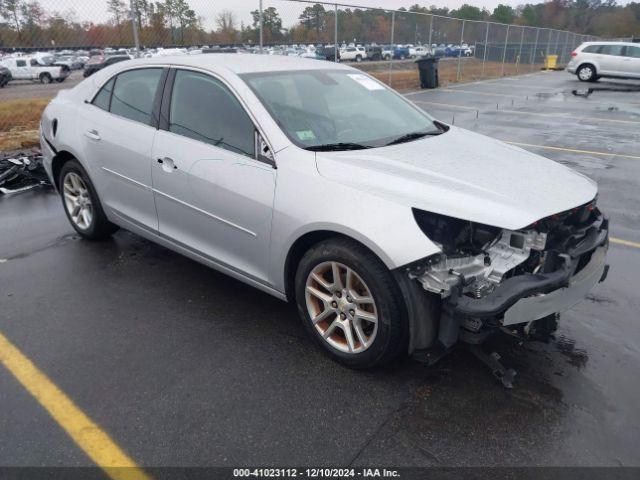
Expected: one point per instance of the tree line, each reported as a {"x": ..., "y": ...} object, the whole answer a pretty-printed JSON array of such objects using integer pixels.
[{"x": 174, "y": 22}]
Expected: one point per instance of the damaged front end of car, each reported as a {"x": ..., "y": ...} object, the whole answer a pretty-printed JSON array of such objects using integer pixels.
[{"x": 491, "y": 279}]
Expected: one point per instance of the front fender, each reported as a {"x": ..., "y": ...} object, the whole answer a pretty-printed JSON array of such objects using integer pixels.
[{"x": 307, "y": 202}]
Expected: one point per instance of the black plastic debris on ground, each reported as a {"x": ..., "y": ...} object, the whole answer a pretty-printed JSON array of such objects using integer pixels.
[{"x": 22, "y": 171}]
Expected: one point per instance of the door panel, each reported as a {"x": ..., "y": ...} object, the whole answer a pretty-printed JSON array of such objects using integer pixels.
[
  {"x": 611, "y": 59},
  {"x": 214, "y": 201},
  {"x": 118, "y": 144},
  {"x": 119, "y": 150},
  {"x": 631, "y": 65}
]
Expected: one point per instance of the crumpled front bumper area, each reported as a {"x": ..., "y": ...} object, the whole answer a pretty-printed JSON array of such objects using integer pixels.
[{"x": 525, "y": 298}]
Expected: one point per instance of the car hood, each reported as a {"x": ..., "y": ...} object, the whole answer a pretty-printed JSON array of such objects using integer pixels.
[{"x": 463, "y": 175}]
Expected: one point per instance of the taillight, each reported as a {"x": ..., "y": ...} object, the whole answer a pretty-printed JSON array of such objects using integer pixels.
[{"x": 574, "y": 54}]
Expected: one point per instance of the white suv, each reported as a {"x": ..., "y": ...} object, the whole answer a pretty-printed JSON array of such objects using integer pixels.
[
  {"x": 353, "y": 54},
  {"x": 593, "y": 60}
]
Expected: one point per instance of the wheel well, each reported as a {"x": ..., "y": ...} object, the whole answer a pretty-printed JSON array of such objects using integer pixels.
[
  {"x": 299, "y": 248},
  {"x": 585, "y": 64},
  {"x": 58, "y": 161}
]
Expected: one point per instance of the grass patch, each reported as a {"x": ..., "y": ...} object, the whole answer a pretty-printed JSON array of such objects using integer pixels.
[{"x": 19, "y": 121}]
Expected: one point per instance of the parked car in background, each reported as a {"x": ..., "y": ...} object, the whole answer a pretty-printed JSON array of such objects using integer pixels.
[
  {"x": 594, "y": 60},
  {"x": 387, "y": 52},
  {"x": 390, "y": 231},
  {"x": 438, "y": 51},
  {"x": 5, "y": 76},
  {"x": 98, "y": 63},
  {"x": 467, "y": 50},
  {"x": 38, "y": 68},
  {"x": 69, "y": 61},
  {"x": 327, "y": 53},
  {"x": 419, "y": 51},
  {"x": 309, "y": 52},
  {"x": 401, "y": 52},
  {"x": 353, "y": 54},
  {"x": 373, "y": 52}
]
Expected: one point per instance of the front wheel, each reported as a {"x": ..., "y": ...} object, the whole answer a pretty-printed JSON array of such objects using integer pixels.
[
  {"x": 350, "y": 303},
  {"x": 81, "y": 203}
]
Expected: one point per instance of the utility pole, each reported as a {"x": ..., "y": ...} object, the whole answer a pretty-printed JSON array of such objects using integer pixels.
[
  {"x": 335, "y": 35},
  {"x": 261, "y": 23},
  {"x": 134, "y": 25}
]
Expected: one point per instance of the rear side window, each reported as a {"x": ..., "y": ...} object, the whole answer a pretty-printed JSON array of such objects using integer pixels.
[
  {"x": 204, "y": 109},
  {"x": 611, "y": 49},
  {"x": 633, "y": 52},
  {"x": 591, "y": 48},
  {"x": 134, "y": 92},
  {"x": 103, "y": 97}
]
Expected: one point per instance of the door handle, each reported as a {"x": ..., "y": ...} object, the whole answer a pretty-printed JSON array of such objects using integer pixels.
[
  {"x": 168, "y": 164},
  {"x": 92, "y": 134}
]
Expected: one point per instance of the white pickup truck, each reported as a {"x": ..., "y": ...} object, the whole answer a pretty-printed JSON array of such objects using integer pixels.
[{"x": 35, "y": 68}]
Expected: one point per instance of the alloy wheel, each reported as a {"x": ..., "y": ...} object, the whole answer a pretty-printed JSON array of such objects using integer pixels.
[
  {"x": 77, "y": 200},
  {"x": 341, "y": 307}
]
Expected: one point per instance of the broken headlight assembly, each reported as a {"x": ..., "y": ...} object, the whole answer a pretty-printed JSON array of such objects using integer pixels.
[{"x": 475, "y": 258}]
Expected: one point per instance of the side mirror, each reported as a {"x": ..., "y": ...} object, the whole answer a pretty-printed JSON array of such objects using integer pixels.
[{"x": 263, "y": 152}]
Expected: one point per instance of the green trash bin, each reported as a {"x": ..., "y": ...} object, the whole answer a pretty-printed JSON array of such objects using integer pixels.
[{"x": 428, "y": 68}]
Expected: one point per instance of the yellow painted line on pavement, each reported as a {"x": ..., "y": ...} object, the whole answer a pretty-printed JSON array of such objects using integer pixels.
[
  {"x": 574, "y": 150},
  {"x": 627, "y": 243},
  {"x": 85, "y": 433}
]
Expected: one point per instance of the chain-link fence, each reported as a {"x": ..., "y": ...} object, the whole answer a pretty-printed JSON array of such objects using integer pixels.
[{"x": 47, "y": 45}]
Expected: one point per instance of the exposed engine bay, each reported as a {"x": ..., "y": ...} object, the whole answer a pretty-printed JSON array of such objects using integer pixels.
[
  {"x": 483, "y": 271},
  {"x": 491, "y": 279}
]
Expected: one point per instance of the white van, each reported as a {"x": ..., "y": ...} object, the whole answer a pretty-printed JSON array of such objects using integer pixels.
[{"x": 593, "y": 60}]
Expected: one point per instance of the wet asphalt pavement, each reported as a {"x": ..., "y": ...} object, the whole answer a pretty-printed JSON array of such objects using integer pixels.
[{"x": 184, "y": 366}]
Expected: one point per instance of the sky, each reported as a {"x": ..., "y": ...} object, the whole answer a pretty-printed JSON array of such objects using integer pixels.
[{"x": 289, "y": 11}]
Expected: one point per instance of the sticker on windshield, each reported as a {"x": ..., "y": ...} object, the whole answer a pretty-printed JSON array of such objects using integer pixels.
[
  {"x": 306, "y": 135},
  {"x": 366, "y": 82}
]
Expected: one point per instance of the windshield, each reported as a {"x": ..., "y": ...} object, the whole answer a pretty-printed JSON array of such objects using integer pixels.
[{"x": 340, "y": 108}]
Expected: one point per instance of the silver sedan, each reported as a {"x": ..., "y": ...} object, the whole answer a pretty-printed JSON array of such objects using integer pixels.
[{"x": 392, "y": 232}]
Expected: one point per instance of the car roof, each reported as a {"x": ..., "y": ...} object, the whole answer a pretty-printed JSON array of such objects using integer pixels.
[
  {"x": 240, "y": 63},
  {"x": 604, "y": 42}
]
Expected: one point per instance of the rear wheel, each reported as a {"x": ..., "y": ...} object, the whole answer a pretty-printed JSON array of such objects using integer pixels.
[
  {"x": 586, "y": 73},
  {"x": 350, "y": 303},
  {"x": 358, "y": 58},
  {"x": 45, "y": 78},
  {"x": 81, "y": 203}
]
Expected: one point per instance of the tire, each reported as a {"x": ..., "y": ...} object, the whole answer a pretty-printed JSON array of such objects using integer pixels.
[
  {"x": 358, "y": 58},
  {"x": 384, "y": 339},
  {"x": 98, "y": 227},
  {"x": 586, "y": 73},
  {"x": 387, "y": 57},
  {"x": 61, "y": 79},
  {"x": 45, "y": 78}
]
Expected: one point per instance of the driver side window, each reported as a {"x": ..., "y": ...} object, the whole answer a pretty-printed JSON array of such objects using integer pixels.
[{"x": 204, "y": 109}]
